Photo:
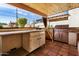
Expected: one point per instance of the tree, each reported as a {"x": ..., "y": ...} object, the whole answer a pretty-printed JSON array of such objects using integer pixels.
[
  {"x": 1, "y": 27},
  {"x": 21, "y": 22}
]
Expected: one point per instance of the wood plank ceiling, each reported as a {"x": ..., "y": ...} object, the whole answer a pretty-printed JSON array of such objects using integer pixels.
[
  {"x": 49, "y": 8},
  {"x": 46, "y": 9},
  {"x": 52, "y": 8}
]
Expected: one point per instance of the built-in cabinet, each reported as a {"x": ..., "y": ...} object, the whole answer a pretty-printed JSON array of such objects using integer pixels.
[
  {"x": 8, "y": 42},
  {"x": 61, "y": 35},
  {"x": 33, "y": 40},
  {"x": 73, "y": 37}
]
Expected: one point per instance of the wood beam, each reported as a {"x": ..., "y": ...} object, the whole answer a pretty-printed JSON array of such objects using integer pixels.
[
  {"x": 45, "y": 21},
  {"x": 59, "y": 18},
  {"x": 26, "y": 7}
]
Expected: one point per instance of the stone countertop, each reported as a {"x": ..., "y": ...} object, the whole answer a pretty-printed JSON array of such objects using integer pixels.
[
  {"x": 18, "y": 32},
  {"x": 74, "y": 30}
]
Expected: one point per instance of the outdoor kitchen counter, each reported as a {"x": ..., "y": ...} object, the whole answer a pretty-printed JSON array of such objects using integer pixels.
[
  {"x": 14, "y": 39},
  {"x": 18, "y": 32}
]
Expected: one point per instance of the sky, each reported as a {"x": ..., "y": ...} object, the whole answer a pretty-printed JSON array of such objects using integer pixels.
[{"x": 8, "y": 13}]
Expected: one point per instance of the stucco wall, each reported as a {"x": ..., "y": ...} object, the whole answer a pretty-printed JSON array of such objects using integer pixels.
[{"x": 74, "y": 17}]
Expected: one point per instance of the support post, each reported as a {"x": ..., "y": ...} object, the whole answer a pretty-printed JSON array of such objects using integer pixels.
[{"x": 45, "y": 21}]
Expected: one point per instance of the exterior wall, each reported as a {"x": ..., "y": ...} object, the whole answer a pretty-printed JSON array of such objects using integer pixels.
[{"x": 74, "y": 17}]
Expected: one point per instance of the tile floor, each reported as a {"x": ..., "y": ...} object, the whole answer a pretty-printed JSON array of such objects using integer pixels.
[{"x": 55, "y": 49}]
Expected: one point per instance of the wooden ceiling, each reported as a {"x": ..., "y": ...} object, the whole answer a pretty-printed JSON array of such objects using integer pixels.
[
  {"x": 49, "y": 8},
  {"x": 52, "y": 8},
  {"x": 46, "y": 9}
]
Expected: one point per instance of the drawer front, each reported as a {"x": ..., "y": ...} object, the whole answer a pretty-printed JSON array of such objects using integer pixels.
[
  {"x": 35, "y": 37},
  {"x": 34, "y": 34},
  {"x": 34, "y": 44},
  {"x": 42, "y": 36},
  {"x": 42, "y": 33},
  {"x": 42, "y": 40}
]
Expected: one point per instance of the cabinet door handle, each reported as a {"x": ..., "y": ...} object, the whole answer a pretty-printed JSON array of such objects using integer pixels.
[
  {"x": 59, "y": 35},
  {"x": 39, "y": 38}
]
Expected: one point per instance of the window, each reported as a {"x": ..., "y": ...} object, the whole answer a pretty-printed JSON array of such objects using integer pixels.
[
  {"x": 10, "y": 13},
  {"x": 29, "y": 15},
  {"x": 7, "y": 14}
]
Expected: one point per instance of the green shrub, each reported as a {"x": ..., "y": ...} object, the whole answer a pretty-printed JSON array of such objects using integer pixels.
[
  {"x": 21, "y": 22},
  {"x": 1, "y": 27}
]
